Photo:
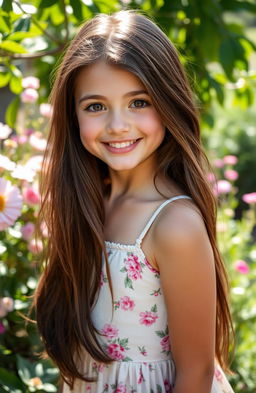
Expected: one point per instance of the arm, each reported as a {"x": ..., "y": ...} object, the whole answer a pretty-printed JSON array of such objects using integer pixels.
[{"x": 184, "y": 256}]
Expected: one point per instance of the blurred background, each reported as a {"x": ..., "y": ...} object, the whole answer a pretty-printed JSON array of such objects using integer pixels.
[{"x": 217, "y": 44}]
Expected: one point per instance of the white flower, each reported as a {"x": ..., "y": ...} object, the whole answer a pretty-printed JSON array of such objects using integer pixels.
[
  {"x": 30, "y": 82},
  {"x": 5, "y": 131},
  {"x": 23, "y": 172},
  {"x": 10, "y": 203},
  {"x": 6, "y": 163}
]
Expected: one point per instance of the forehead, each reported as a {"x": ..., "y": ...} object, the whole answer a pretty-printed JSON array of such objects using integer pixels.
[{"x": 102, "y": 77}]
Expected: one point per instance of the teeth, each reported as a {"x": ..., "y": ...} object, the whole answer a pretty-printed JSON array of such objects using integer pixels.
[{"x": 123, "y": 144}]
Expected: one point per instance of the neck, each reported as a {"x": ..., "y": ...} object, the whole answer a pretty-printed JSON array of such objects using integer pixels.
[{"x": 133, "y": 184}]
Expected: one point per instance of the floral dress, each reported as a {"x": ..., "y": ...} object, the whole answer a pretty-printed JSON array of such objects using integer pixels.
[{"x": 134, "y": 330}]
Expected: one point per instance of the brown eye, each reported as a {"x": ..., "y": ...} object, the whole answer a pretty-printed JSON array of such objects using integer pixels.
[
  {"x": 139, "y": 104},
  {"x": 97, "y": 107}
]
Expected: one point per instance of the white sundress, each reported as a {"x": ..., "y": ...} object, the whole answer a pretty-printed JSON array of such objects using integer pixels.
[{"x": 135, "y": 335}]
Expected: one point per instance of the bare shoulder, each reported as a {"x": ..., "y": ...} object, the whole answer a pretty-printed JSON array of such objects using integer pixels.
[{"x": 180, "y": 229}]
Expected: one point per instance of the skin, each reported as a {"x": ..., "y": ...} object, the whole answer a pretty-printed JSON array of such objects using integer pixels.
[{"x": 177, "y": 244}]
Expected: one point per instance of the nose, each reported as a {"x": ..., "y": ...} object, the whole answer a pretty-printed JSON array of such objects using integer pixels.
[{"x": 118, "y": 122}]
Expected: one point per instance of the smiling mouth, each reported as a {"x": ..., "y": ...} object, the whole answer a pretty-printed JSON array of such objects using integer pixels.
[{"x": 119, "y": 145}]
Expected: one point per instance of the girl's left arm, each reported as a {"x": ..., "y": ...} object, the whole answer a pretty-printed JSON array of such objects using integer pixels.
[{"x": 185, "y": 259}]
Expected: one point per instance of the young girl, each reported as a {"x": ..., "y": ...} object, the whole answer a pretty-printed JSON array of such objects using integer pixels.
[{"x": 133, "y": 297}]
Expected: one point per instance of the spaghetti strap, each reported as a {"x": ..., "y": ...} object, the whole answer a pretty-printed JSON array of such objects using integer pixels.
[{"x": 155, "y": 214}]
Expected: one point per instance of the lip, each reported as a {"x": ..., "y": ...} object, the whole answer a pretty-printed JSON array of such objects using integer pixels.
[{"x": 118, "y": 150}]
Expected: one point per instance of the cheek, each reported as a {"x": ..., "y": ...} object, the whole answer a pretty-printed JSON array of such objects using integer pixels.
[
  {"x": 153, "y": 126},
  {"x": 88, "y": 131}
]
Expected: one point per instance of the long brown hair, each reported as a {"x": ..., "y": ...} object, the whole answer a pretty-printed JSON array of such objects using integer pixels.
[{"x": 73, "y": 188}]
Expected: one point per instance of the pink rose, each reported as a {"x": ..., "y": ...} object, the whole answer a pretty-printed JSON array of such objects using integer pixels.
[
  {"x": 110, "y": 331},
  {"x": 27, "y": 230},
  {"x": 29, "y": 96},
  {"x": 167, "y": 386},
  {"x": 116, "y": 351},
  {"x": 230, "y": 160},
  {"x": 249, "y": 198},
  {"x": 222, "y": 187},
  {"x": 148, "y": 318},
  {"x": 165, "y": 343},
  {"x": 126, "y": 303},
  {"x": 30, "y": 82},
  {"x": 133, "y": 267},
  {"x": 35, "y": 246},
  {"x": 231, "y": 174},
  {"x": 31, "y": 196},
  {"x": 241, "y": 266},
  {"x": 120, "y": 388}
]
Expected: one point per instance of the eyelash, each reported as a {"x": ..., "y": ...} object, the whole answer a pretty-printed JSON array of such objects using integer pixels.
[{"x": 98, "y": 103}]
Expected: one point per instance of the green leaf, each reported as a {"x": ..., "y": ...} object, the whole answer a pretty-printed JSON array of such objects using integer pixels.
[
  {"x": 160, "y": 333},
  {"x": 47, "y": 3},
  {"x": 15, "y": 84},
  {"x": 4, "y": 24},
  {"x": 128, "y": 282},
  {"x": 77, "y": 9},
  {"x": 22, "y": 24},
  {"x": 227, "y": 57},
  {"x": 21, "y": 35},
  {"x": 4, "y": 78},
  {"x": 11, "y": 381},
  {"x": 11, "y": 112},
  {"x": 154, "y": 308},
  {"x": 13, "y": 47},
  {"x": 7, "y": 5}
]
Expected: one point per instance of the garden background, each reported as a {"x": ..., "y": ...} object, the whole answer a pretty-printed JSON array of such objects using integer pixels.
[{"x": 217, "y": 44}]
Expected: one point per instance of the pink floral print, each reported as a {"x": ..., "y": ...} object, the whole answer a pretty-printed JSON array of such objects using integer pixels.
[
  {"x": 110, "y": 331},
  {"x": 141, "y": 377},
  {"x": 168, "y": 386},
  {"x": 120, "y": 388},
  {"x": 147, "y": 318},
  {"x": 156, "y": 292},
  {"x": 103, "y": 279},
  {"x": 126, "y": 303},
  {"x": 165, "y": 341},
  {"x": 116, "y": 351},
  {"x": 133, "y": 268},
  {"x": 143, "y": 351}
]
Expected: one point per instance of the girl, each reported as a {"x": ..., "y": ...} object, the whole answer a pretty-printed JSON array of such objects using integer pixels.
[{"x": 133, "y": 297}]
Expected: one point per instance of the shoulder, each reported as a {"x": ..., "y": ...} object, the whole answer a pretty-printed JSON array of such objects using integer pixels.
[{"x": 180, "y": 232}]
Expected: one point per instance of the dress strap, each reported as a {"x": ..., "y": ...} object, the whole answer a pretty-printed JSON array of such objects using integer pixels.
[{"x": 155, "y": 214}]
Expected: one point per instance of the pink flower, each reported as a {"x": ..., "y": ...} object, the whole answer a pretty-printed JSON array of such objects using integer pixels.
[
  {"x": 3, "y": 311},
  {"x": 46, "y": 110},
  {"x": 167, "y": 386},
  {"x": 5, "y": 131},
  {"x": 141, "y": 377},
  {"x": 222, "y": 187},
  {"x": 35, "y": 246},
  {"x": 126, "y": 303},
  {"x": 241, "y": 266},
  {"x": 27, "y": 230},
  {"x": 231, "y": 174},
  {"x": 249, "y": 198},
  {"x": 165, "y": 343},
  {"x": 218, "y": 374},
  {"x": 230, "y": 160},
  {"x": 35, "y": 163},
  {"x": 148, "y": 318},
  {"x": 30, "y": 82},
  {"x": 6, "y": 163},
  {"x": 29, "y": 96},
  {"x": 7, "y": 303},
  {"x": 110, "y": 331},
  {"x": 23, "y": 172},
  {"x": 120, "y": 388},
  {"x": 133, "y": 267},
  {"x": 218, "y": 163},
  {"x": 2, "y": 328},
  {"x": 31, "y": 196},
  {"x": 116, "y": 351}
]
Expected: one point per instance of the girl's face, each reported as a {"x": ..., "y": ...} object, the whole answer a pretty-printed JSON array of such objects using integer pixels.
[{"x": 117, "y": 121}]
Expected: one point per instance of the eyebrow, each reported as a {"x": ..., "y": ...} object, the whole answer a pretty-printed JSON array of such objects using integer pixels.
[{"x": 100, "y": 97}]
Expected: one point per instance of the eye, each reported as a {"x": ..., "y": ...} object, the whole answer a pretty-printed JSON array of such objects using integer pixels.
[
  {"x": 96, "y": 107},
  {"x": 139, "y": 104}
]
